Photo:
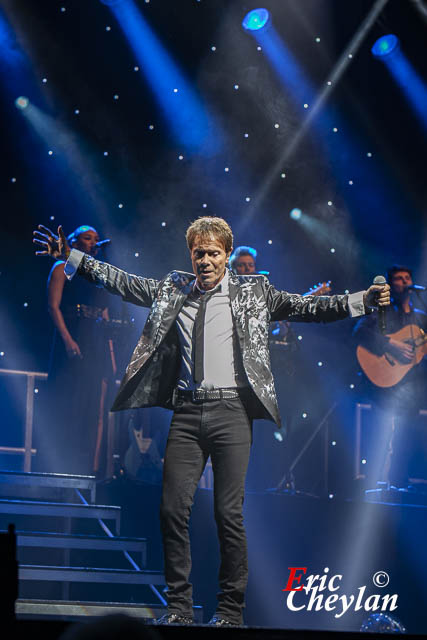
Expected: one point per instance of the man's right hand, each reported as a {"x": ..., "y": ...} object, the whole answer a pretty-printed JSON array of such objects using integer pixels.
[
  {"x": 400, "y": 350},
  {"x": 54, "y": 246}
]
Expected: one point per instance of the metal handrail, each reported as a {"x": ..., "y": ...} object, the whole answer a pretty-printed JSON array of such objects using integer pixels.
[{"x": 27, "y": 450}]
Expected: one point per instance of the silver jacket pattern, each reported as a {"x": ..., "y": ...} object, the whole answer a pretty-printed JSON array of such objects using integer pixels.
[{"x": 152, "y": 373}]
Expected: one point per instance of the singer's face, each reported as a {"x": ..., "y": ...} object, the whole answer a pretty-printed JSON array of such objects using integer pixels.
[
  {"x": 400, "y": 281},
  {"x": 86, "y": 242},
  {"x": 208, "y": 258}
]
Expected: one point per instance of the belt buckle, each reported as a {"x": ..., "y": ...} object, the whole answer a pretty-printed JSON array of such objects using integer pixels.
[{"x": 194, "y": 395}]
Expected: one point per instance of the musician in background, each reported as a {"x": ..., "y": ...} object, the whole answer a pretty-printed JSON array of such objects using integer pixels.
[
  {"x": 79, "y": 367},
  {"x": 243, "y": 261},
  {"x": 403, "y": 400}
]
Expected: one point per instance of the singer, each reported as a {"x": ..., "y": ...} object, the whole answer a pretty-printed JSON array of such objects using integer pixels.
[
  {"x": 204, "y": 353},
  {"x": 399, "y": 403},
  {"x": 78, "y": 367}
]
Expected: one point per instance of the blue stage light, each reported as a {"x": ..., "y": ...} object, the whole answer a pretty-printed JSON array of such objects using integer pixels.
[
  {"x": 22, "y": 102},
  {"x": 385, "y": 45},
  {"x": 255, "y": 19},
  {"x": 295, "y": 214}
]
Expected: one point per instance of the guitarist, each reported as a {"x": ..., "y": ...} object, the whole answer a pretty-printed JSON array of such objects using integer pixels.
[{"x": 402, "y": 400}]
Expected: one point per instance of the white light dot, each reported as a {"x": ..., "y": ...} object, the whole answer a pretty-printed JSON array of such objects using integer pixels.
[
  {"x": 175, "y": 90},
  {"x": 226, "y": 169},
  {"x": 350, "y": 182},
  {"x": 63, "y": 9},
  {"x": 277, "y": 125},
  {"x": 369, "y": 154},
  {"x": 299, "y": 337},
  {"x": 350, "y": 55},
  {"x": 107, "y": 28},
  {"x": 334, "y": 443},
  {"x": 304, "y": 415},
  {"x": 151, "y": 127},
  {"x": 330, "y": 203},
  {"x": 213, "y": 48},
  {"x": 105, "y": 153},
  {"x": 136, "y": 254},
  {"x": 270, "y": 242},
  {"x": 116, "y": 96},
  {"x": 283, "y": 175},
  {"x": 236, "y": 86},
  {"x": 363, "y": 460},
  {"x": 163, "y": 224},
  {"x": 204, "y": 205},
  {"x": 317, "y": 39},
  {"x": 50, "y": 152},
  {"x": 25, "y": 304},
  {"x": 120, "y": 205},
  {"x": 259, "y": 48},
  {"x": 77, "y": 111},
  {"x": 181, "y": 157},
  {"x": 320, "y": 364},
  {"x": 247, "y": 199},
  {"x": 36, "y": 390},
  {"x": 246, "y": 135},
  {"x": 52, "y": 218},
  {"x": 136, "y": 68},
  {"x": 305, "y": 105},
  {"x": 44, "y": 80},
  {"x": 332, "y": 250},
  {"x": 347, "y": 291},
  {"x": 13, "y": 179},
  {"x": 329, "y": 83},
  {"x": 352, "y": 386},
  {"x": 2, "y": 353},
  {"x": 147, "y": 1},
  {"x": 331, "y": 495},
  {"x": 334, "y": 129}
]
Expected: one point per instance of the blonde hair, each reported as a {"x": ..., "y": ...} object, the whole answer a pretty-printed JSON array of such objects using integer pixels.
[{"x": 207, "y": 227}]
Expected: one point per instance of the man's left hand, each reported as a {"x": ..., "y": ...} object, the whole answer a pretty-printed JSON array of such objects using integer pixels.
[{"x": 378, "y": 295}]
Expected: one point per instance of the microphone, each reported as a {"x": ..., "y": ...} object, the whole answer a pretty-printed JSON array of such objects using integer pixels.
[
  {"x": 380, "y": 280},
  {"x": 417, "y": 287},
  {"x": 102, "y": 243}
]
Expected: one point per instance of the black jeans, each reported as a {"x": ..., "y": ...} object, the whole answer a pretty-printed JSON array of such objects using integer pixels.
[{"x": 223, "y": 430}]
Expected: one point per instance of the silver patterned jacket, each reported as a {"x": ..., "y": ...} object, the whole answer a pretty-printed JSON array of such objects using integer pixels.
[{"x": 152, "y": 373}]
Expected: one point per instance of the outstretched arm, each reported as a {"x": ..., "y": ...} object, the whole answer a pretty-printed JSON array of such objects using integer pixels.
[
  {"x": 131, "y": 288},
  {"x": 289, "y": 306}
]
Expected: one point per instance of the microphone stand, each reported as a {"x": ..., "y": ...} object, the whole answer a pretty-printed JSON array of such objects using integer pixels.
[
  {"x": 421, "y": 301},
  {"x": 287, "y": 483}
]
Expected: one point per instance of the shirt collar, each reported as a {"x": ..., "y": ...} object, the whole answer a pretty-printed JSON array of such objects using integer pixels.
[{"x": 221, "y": 287}]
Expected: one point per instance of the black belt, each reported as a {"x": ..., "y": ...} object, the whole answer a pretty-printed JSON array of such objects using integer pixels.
[{"x": 201, "y": 395}]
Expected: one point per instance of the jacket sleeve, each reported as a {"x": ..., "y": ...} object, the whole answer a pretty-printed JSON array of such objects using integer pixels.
[
  {"x": 296, "y": 308},
  {"x": 131, "y": 288}
]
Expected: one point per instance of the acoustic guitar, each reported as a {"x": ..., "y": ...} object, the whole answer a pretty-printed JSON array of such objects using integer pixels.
[{"x": 386, "y": 370}]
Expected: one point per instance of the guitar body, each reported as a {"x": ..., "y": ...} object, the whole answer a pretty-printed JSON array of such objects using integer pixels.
[{"x": 386, "y": 370}]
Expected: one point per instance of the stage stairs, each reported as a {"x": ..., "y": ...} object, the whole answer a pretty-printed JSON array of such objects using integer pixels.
[{"x": 46, "y": 509}]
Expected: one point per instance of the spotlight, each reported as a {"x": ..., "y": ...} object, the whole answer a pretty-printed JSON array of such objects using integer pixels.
[
  {"x": 295, "y": 214},
  {"x": 22, "y": 102},
  {"x": 385, "y": 45},
  {"x": 255, "y": 19}
]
